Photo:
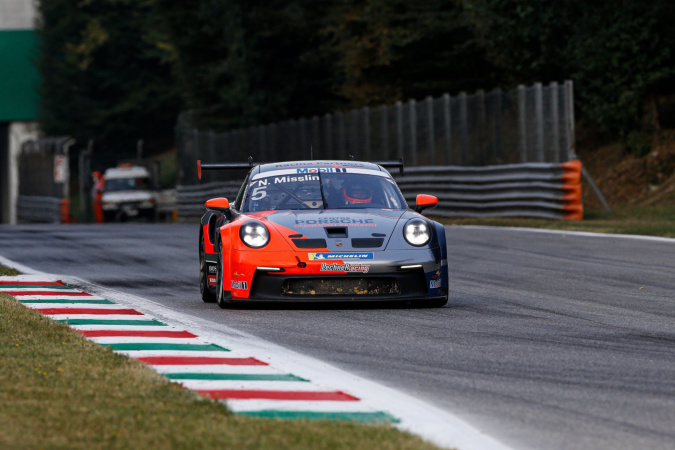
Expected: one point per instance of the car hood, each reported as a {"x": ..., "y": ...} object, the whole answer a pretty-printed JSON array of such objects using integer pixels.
[{"x": 342, "y": 230}]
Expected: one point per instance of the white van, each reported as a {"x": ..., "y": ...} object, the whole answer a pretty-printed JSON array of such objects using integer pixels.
[{"x": 129, "y": 192}]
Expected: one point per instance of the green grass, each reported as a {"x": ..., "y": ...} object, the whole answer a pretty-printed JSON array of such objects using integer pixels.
[
  {"x": 59, "y": 390},
  {"x": 646, "y": 221},
  {"x": 7, "y": 272}
]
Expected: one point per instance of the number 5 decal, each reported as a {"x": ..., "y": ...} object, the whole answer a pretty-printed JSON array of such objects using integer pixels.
[{"x": 259, "y": 193}]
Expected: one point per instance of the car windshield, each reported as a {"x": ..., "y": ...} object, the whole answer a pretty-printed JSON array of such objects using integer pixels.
[
  {"x": 127, "y": 184},
  {"x": 322, "y": 191}
]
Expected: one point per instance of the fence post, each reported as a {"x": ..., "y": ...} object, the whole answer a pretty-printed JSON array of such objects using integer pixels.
[
  {"x": 399, "y": 128},
  {"x": 539, "y": 113},
  {"x": 430, "y": 130},
  {"x": 464, "y": 126},
  {"x": 292, "y": 132},
  {"x": 341, "y": 135},
  {"x": 447, "y": 125},
  {"x": 384, "y": 148},
  {"x": 553, "y": 93},
  {"x": 356, "y": 151},
  {"x": 412, "y": 111},
  {"x": 366, "y": 133},
  {"x": 522, "y": 130},
  {"x": 569, "y": 108},
  {"x": 316, "y": 143},
  {"x": 480, "y": 99},
  {"x": 262, "y": 139},
  {"x": 328, "y": 134},
  {"x": 497, "y": 132}
]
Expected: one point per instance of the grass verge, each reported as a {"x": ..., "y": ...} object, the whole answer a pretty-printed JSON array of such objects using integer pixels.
[
  {"x": 7, "y": 272},
  {"x": 59, "y": 390},
  {"x": 645, "y": 221}
]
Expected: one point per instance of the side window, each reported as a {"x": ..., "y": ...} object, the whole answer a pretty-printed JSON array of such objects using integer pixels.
[{"x": 242, "y": 189}]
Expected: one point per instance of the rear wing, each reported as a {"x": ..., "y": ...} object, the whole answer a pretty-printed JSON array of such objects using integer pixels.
[
  {"x": 391, "y": 164},
  {"x": 396, "y": 164},
  {"x": 224, "y": 166}
]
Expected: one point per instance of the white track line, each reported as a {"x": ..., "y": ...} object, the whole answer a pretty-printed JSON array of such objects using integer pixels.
[{"x": 573, "y": 233}]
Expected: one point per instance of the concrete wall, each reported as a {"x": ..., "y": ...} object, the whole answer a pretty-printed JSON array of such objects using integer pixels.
[{"x": 17, "y": 15}]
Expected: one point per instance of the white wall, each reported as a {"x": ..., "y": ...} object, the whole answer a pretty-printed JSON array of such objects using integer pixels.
[
  {"x": 17, "y": 15},
  {"x": 19, "y": 132}
]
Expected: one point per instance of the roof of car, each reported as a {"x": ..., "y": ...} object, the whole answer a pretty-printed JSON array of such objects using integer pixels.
[
  {"x": 314, "y": 166},
  {"x": 126, "y": 172}
]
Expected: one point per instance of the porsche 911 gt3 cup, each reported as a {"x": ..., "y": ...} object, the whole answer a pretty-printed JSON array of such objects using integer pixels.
[{"x": 320, "y": 231}]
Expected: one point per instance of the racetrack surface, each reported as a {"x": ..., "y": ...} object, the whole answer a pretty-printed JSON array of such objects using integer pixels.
[{"x": 549, "y": 340}]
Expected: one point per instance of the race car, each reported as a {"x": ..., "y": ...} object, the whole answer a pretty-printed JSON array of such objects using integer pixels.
[{"x": 320, "y": 231}]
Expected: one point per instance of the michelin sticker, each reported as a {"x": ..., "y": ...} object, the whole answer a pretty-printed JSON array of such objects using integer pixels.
[
  {"x": 338, "y": 256},
  {"x": 347, "y": 267}
]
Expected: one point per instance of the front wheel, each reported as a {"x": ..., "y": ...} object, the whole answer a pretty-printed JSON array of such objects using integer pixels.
[{"x": 207, "y": 295}]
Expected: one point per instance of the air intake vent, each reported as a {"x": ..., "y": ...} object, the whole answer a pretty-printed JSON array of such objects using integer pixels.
[
  {"x": 367, "y": 242},
  {"x": 336, "y": 232},
  {"x": 310, "y": 243}
]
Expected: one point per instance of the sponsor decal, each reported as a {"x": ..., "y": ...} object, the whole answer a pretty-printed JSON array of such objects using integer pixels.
[
  {"x": 347, "y": 267},
  {"x": 338, "y": 256},
  {"x": 434, "y": 284},
  {"x": 212, "y": 280},
  {"x": 322, "y": 170},
  {"x": 237, "y": 274},
  {"x": 240, "y": 285},
  {"x": 339, "y": 244},
  {"x": 213, "y": 269},
  {"x": 347, "y": 221}
]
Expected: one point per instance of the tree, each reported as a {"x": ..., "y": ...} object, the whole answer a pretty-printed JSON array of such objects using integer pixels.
[{"x": 105, "y": 74}]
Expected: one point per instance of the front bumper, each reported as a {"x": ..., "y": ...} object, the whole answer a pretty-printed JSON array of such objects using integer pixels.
[{"x": 417, "y": 274}]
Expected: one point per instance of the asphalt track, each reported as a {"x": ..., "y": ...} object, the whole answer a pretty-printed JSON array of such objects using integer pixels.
[{"x": 549, "y": 341}]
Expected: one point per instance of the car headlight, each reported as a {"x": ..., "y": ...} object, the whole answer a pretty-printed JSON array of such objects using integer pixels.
[
  {"x": 416, "y": 232},
  {"x": 254, "y": 234}
]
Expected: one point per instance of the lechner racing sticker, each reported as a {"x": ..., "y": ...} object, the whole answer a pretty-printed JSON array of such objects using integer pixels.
[
  {"x": 347, "y": 267},
  {"x": 338, "y": 256}
]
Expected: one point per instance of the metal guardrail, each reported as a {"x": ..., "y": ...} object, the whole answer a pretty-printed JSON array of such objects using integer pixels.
[
  {"x": 543, "y": 190},
  {"x": 42, "y": 209},
  {"x": 190, "y": 199}
]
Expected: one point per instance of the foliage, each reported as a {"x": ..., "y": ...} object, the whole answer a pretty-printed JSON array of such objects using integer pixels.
[
  {"x": 612, "y": 50},
  {"x": 120, "y": 70},
  {"x": 389, "y": 50},
  {"x": 106, "y": 73},
  {"x": 240, "y": 63}
]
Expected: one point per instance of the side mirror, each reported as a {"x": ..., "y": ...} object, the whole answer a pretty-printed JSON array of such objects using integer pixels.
[
  {"x": 424, "y": 201},
  {"x": 219, "y": 204}
]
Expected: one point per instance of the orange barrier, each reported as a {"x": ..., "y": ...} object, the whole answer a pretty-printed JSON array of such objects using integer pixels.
[
  {"x": 571, "y": 177},
  {"x": 64, "y": 209}
]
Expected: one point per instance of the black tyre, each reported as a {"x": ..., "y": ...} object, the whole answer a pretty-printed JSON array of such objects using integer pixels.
[
  {"x": 207, "y": 295},
  {"x": 224, "y": 298}
]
